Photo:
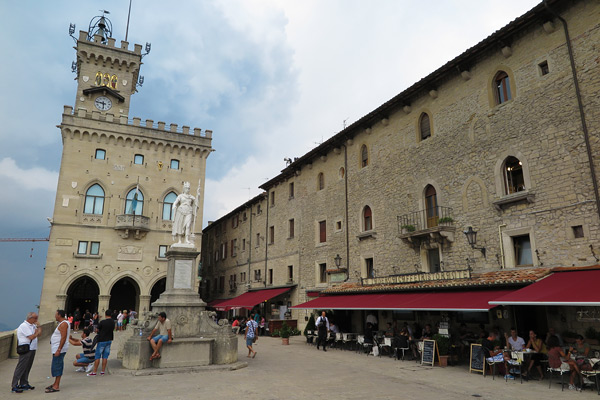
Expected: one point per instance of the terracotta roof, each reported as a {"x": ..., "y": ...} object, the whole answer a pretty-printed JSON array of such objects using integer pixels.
[{"x": 513, "y": 277}]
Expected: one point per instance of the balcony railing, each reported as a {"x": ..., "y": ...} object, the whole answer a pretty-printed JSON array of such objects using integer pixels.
[
  {"x": 133, "y": 222},
  {"x": 425, "y": 220}
]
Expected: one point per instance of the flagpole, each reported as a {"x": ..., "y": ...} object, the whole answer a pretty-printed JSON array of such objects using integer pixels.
[
  {"x": 128, "y": 14},
  {"x": 196, "y": 210}
]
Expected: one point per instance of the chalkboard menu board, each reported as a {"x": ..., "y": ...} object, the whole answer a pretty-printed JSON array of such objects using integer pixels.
[
  {"x": 428, "y": 353},
  {"x": 476, "y": 359}
]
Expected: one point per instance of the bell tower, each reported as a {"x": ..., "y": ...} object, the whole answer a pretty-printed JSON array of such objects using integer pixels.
[
  {"x": 119, "y": 177},
  {"x": 107, "y": 74}
]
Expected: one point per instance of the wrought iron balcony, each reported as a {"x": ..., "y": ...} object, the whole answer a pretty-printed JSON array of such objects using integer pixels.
[{"x": 434, "y": 223}]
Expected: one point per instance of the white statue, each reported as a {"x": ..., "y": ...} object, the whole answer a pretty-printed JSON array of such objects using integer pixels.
[{"x": 184, "y": 211}]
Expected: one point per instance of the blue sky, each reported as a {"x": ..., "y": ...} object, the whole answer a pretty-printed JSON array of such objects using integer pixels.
[{"x": 271, "y": 78}]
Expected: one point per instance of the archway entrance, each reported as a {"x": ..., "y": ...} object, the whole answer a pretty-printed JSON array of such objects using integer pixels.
[
  {"x": 124, "y": 295},
  {"x": 82, "y": 293},
  {"x": 157, "y": 290}
]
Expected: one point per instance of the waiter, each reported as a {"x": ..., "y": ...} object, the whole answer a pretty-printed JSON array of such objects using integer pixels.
[{"x": 323, "y": 329}]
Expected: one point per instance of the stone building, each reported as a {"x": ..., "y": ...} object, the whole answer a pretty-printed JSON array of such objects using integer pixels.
[
  {"x": 118, "y": 179},
  {"x": 500, "y": 142}
]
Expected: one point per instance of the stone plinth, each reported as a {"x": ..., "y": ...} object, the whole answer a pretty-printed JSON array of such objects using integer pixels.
[
  {"x": 197, "y": 339},
  {"x": 179, "y": 300}
]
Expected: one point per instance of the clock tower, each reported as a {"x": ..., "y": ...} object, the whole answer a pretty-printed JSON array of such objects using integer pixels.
[
  {"x": 119, "y": 177},
  {"x": 107, "y": 74}
]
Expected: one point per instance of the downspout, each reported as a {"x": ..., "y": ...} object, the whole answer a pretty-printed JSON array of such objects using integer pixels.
[
  {"x": 501, "y": 244},
  {"x": 580, "y": 104},
  {"x": 346, "y": 204},
  {"x": 269, "y": 194},
  {"x": 250, "y": 251}
]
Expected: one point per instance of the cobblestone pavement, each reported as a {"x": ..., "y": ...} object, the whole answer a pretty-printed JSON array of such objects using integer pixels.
[{"x": 297, "y": 371}]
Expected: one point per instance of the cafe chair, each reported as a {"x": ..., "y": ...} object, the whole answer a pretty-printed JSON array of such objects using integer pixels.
[
  {"x": 562, "y": 374},
  {"x": 339, "y": 341},
  {"x": 492, "y": 367},
  {"x": 348, "y": 339}
]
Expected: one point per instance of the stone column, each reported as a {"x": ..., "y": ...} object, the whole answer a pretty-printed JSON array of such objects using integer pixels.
[
  {"x": 144, "y": 303},
  {"x": 61, "y": 301},
  {"x": 103, "y": 302}
]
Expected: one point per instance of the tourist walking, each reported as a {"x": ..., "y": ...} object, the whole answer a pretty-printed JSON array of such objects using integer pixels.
[
  {"x": 27, "y": 334},
  {"x": 322, "y": 329},
  {"x": 59, "y": 346},
  {"x": 251, "y": 336},
  {"x": 105, "y": 338}
]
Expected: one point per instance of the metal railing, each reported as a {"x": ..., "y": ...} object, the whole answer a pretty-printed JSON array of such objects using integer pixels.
[{"x": 425, "y": 219}]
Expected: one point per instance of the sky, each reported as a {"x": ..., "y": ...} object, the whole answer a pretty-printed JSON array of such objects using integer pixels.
[{"x": 271, "y": 78}]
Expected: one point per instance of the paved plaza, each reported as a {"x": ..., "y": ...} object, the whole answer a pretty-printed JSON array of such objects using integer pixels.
[{"x": 297, "y": 371}]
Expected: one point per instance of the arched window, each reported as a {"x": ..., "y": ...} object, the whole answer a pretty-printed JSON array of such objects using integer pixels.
[
  {"x": 367, "y": 219},
  {"x": 431, "y": 206},
  {"x": 514, "y": 180},
  {"x": 424, "y": 126},
  {"x": 502, "y": 87},
  {"x": 364, "y": 156},
  {"x": 94, "y": 200},
  {"x": 134, "y": 205},
  {"x": 321, "y": 181},
  {"x": 168, "y": 206}
]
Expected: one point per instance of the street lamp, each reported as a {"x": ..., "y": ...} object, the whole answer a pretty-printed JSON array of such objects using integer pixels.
[
  {"x": 338, "y": 260},
  {"x": 472, "y": 239}
]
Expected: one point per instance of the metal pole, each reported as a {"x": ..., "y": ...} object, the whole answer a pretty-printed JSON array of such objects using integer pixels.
[{"x": 128, "y": 14}]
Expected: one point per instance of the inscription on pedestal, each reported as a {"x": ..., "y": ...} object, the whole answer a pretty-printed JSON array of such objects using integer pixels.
[{"x": 182, "y": 277}]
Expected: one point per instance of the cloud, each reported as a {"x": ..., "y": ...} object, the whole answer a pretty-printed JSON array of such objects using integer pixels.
[{"x": 31, "y": 179}]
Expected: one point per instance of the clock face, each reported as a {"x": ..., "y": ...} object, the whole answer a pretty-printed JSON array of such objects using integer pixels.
[{"x": 103, "y": 103}]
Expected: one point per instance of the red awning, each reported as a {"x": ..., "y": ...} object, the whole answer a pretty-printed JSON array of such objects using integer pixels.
[
  {"x": 573, "y": 288},
  {"x": 250, "y": 299},
  {"x": 216, "y": 304},
  {"x": 440, "y": 301}
]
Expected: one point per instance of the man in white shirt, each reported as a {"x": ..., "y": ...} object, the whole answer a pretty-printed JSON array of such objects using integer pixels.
[
  {"x": 372, "y": 319},
  {"x": 514, "y": 342},
  {"x": 323, "y": 328},
  {"x": 27, "y": 333}
]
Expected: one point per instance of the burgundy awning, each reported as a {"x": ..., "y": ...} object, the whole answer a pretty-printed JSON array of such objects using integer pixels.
[
  {"x": 250, "y": 299},
  {"x": 440, "y": 301},
  {"x": 572, "y": 288}
]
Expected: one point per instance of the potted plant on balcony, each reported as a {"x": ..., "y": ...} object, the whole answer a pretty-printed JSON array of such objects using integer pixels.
[
  {"x": 284, "y": 333},
  {"x": 407, "y": 228},
  {"x": 445, "y": 220},
  {"x": 443, "y": 345}
]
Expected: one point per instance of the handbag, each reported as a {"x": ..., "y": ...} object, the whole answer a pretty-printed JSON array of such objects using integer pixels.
[{"x": 23, "y": 349}]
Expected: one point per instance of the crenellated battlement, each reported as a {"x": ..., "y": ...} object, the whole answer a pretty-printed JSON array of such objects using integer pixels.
[
  {"x": 137, "y": 122},
  {"x": 137, "y": 48}
]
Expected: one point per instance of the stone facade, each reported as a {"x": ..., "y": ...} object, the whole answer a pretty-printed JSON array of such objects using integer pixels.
[
  {"x": 101, "y": 255},
  {"x": 515, "y": 169}
]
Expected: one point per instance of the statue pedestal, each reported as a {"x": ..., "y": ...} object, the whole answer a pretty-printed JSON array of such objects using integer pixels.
[
  {"x": 197, "y": 339},
  {"x": 179, "y": 300}
]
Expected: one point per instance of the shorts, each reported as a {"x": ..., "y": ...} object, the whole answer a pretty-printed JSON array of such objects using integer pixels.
[
  {"x": 249, "y": 341},
  {"x": 103, "y": 350},
  {"x": 159, "y": 337},
  {"x": 119, "y": 324},
  {"x": 496, "y": 358},
  {"x": 84, "y": 360},
  {"x": 58, "y": 364}
]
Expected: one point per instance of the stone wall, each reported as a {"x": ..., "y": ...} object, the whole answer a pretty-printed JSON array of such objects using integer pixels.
[
  {"x": 8, "y": 345},
  {"x": 464, "y": 160}
]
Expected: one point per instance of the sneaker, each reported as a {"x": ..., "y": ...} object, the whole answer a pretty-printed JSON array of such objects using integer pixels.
[
  {"x": 509, "y": 377},
  {"x": 572, "y": 387},
  {"x": 17, "y": 389},
  {"x": 586, "y": 381},
  {"x": 91, "y": 374},
  {"x": 80, "y": 369},
  {"x": 102, "y": 373},
  {"x": 514, "y": 371},
  {"x": 26, "y": 387},
  {"x": 90, "y": 368}
]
